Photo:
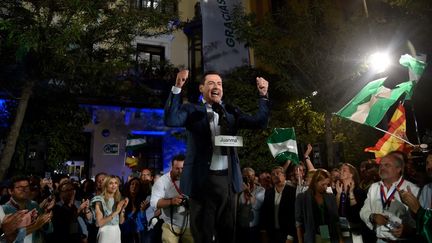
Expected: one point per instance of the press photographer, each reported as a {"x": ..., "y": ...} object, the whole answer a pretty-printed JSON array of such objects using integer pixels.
[{"x": 166, "y": 195}]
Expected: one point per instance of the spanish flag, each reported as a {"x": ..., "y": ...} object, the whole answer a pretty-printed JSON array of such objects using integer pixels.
[
  {"x": 389, "y": 143},
  {"x": 131, "y": 162}
]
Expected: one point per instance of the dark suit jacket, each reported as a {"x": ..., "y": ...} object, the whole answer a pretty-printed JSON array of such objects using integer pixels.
[
  {"x": 286, "y": 212},
  {"x": 199, "y": 142},
  {"x": 305, "y": 215}
]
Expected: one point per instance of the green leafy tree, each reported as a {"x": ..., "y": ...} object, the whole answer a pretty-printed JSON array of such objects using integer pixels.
[
  {"x": 240, "y": 90},
  {"x": 56, "y": 120},
  {"x": 77, "y": 46},
  {"x": 322, "y": 46}
]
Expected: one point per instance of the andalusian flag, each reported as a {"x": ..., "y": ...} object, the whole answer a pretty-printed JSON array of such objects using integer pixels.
[
  {"x": 371, "y": 104},
  {"x": 392, "y": 141},
  {"x": 283, "y": 145},
  {"x": 415, "y": 66},
  {"x": 135, "y": 142}
]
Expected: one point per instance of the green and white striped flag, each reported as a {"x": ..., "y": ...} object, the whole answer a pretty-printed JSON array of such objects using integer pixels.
[
  {"x": 371, "y": 104},
  {"x": 415, "y": 66},
  {"x": 283, "y": 145},
  {"x": 135, "y": 142}
]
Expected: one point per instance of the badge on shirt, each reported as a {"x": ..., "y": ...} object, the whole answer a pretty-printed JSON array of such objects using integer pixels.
[
  {"x": 229, "y": 141},
  {"x": 324, "y": 232}
]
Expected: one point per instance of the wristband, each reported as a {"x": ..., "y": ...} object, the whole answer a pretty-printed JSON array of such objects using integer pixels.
[{"x": 307, "y": 157}]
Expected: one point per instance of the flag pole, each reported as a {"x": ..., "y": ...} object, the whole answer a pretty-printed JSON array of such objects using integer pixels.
[
  {"x": 415, "y": 124},
  {"x": 365, "y": 7},
  {"x": 391, "y": 134}
]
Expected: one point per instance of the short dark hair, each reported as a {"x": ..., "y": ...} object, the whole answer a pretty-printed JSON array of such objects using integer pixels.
[
  {"x": 178, "y": 157},
  {"x": 100, "y": 174},
  {"x": 16, "y": 179},
  {"x": 63, "y": 184},
  {"x": 211, "y": 72}
]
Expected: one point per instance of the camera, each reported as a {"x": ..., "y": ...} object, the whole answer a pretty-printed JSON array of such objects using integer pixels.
[
  {"x": 392, "y": 225},
  {"x": 184, "y": 202},
  {"x": 184, "y": 205}
]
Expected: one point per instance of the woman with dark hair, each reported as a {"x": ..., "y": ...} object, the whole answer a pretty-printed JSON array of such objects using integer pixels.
[
  {"x": 350, "y": 199},
  {"x": 135, "y": 217},
  {"x": 317, "y": 219}
]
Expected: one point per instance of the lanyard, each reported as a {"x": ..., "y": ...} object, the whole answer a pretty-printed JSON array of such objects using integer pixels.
[
  {"x": 386, "y": 201},
  {"x": 175, "y": 186}
]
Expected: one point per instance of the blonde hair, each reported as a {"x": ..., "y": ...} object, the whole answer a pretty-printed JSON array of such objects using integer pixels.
[{"x": 117, "y": 195}]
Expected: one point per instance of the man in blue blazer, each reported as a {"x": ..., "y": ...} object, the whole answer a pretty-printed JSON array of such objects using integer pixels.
[{"x": 211, "y": 174}]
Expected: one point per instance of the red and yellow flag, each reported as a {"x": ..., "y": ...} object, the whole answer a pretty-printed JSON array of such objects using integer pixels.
[{"x": 389, "y": 143}]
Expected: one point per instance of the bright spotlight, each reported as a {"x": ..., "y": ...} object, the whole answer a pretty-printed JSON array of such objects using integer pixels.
[
  {"x": 314, "y": 93},
  {"x": 379, "y": 61}
]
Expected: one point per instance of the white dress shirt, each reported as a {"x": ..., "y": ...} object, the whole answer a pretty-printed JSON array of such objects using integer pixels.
[
  {"x": 397, "y": 211},
  {"x": 218, "y": 161},
  {"x": 258, "y": 195},
  {"x": 165, "y": 189}
]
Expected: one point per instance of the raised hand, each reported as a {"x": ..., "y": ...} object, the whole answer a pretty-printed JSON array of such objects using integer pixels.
[
  {"x": 409, "y": 199},
  {"x": 339, "y": 187},
  {"x": 47, "y": 204},
  {"x": 351, "y": 186},
  {"x": 84, "y": 205},
  {"x": 122, "y": 204},
  {"x": 12, "y": 222},
  {"x": 181, "y": 78},
  {"x": 262, "y": 86},
  {"x": 43, "y": 219},
  {"x": 308, "y": 150},
  {"x": 144, "y": 205},
  {"x": 126, "y": 202}
]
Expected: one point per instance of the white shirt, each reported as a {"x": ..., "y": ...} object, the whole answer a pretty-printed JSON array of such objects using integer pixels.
[
  {"x": 164, "y": 189},
  {"x": 277, "y": 200},
  {"x": 426, "y": 196},
  {"x": 258, "y": 194},
  {"x": 397, "y": 211},
  {"x": 218, "y": 161}
]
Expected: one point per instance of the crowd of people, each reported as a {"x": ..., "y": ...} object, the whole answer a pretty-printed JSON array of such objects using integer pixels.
[
  {"x": 290, "y": 203},
  {"x": 206, "y": 197}
]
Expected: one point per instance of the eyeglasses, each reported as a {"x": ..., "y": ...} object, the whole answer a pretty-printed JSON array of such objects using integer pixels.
[{"x": 22, "y": 188}]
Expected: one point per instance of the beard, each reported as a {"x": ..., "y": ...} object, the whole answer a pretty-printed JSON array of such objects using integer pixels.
[{"x": 383, "y": 176}]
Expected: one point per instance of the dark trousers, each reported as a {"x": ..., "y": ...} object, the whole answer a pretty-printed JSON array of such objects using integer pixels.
[
  {"x": 249, "y": 235},
  {"x": 212, "y": 214}
]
